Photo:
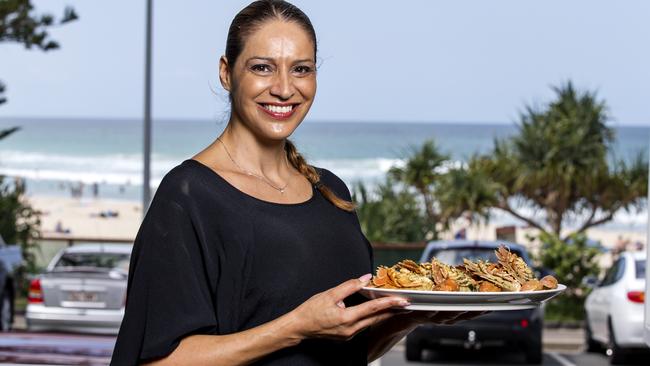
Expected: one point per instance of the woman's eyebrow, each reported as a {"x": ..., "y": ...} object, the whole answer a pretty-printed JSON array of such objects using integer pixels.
[
  {"x": 304, "y": 60},
  {"x": 271, "y": 59},
  {"x": 261, "y": 58}
]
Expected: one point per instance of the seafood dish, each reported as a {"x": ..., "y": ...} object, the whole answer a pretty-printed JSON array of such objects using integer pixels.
[{"x": 509, "y": 274}]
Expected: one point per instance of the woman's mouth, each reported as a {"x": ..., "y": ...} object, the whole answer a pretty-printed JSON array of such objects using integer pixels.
[{"x": 279, "y": 111}]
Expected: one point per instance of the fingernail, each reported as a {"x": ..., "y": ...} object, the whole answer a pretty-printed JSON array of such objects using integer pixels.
[
  {"x": 404, "y": 303},
  {"x": 365, "y": 277}
]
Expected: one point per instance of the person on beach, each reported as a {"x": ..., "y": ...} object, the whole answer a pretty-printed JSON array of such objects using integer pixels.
[{"x": 248, "y": 254}]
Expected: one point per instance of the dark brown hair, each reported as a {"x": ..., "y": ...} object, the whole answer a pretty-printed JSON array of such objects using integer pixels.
[{"x": 247, "y": 21}]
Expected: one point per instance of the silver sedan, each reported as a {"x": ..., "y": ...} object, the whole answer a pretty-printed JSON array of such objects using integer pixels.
[{"x": 82, "y": 290}]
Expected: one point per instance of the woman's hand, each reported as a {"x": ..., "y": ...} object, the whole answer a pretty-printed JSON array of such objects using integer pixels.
[
  {"x": 324, "y": 315},
  {"x": 384, "y": 336},
  {"x": 439, "y": 317}
]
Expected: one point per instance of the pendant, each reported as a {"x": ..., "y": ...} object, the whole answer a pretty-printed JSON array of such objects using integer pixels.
[{"x": 282, "y": 191}]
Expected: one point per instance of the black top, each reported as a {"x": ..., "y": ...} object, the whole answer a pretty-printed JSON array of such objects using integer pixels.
[{"x": 211, "y": 259}]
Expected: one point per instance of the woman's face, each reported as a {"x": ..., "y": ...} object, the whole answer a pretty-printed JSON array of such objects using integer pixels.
[{"x": 273, "y": 81}]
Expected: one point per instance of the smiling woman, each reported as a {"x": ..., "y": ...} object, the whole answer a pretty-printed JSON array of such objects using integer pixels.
[
  {"x": 248, "y": 254},
  {"x": 269, "y": 69},
  {"x": 274, "y": 74}
]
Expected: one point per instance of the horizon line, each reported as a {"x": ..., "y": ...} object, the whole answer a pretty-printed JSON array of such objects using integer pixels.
[{"x": 462, "y": 122}]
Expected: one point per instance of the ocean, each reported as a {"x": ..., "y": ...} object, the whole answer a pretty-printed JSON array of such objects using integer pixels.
[{"x": 54, "y": 155}]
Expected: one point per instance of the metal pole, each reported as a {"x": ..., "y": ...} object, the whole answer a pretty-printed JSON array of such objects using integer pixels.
[
  {"x": 146, "y": 189},
  {"x": 646, "y": 305}
]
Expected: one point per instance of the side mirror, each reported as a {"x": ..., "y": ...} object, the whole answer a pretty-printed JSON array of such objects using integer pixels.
[{"x": 590, "y": 281}]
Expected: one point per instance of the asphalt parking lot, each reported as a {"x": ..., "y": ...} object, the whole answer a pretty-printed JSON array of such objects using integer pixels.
[
  {"x": 20, "y": 347},
  {"x": 562, "y": 347},
  {"x": 497, "y": 357},
  {"x": 77, "y": 349}
]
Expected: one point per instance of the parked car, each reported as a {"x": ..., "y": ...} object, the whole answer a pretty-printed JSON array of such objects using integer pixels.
[
  {"x": 10, "y": 259},
  {"x": 614, "y": 309},
  {"x": 514, "y": 329},
  {"x": 82, "y": 290}
]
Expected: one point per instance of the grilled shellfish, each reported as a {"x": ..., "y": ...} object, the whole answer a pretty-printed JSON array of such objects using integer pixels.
[{"x": 510, "y": 273}]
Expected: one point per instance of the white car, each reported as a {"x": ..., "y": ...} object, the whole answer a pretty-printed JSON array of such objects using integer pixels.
[
  {"x": 82, "y": 290},
  {"x": 614, "y": 309}
]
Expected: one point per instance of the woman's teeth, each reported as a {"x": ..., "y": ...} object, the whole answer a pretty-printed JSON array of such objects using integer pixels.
[{"x": 278, "y": 109}]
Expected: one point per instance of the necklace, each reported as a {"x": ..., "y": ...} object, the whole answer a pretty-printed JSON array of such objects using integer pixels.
[{"x": 248, "y": 172}]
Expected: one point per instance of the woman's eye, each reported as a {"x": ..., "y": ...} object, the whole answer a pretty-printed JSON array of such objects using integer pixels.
[
  {"x": 262, "y": 68},
  {"x": 303, "y": 69}
]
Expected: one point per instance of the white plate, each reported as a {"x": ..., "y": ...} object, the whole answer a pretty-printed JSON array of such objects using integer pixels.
[{"x": 466, "y": 301}]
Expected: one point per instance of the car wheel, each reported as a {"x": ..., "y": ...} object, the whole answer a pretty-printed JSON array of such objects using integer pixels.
[
  {"x": 534, "y": 353},
  {"x": 614, "y": 351},
  {"x": 413, "y": 351},
  {"x": 6, "y": 312},
  {"x": 590, "y": 343}
]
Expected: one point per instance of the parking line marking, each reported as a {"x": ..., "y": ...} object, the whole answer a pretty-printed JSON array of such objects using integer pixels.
[{"x": 561, "y": 359}]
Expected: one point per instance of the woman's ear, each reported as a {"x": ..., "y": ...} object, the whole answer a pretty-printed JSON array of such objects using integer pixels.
[{"x": 224, "y": 73}]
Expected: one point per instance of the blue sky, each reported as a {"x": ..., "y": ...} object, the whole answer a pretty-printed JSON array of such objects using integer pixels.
[{"x": 446, "y": 61}]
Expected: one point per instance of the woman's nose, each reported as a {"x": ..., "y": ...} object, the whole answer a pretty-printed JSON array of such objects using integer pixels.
[{"x": 282, "y": 87}]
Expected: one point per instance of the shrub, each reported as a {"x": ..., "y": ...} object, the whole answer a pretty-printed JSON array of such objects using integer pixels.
[{"x": 570, "y": 260}]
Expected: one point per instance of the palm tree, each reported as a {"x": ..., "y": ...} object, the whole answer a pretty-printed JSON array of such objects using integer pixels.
[
  {"x": 466, "y": 191},
  {"x": 422, "y": 171},
  {"x": 3, "y": 99},
  {"x": 388, "y": 215},
  {"x": 559, "y": 165},
  {"x": 6, "y": 132}
]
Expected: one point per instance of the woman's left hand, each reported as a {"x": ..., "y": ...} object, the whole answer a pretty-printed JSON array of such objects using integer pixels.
[
  {"x": 390, "y": 331},
  {"x": 415, "y": 318}
]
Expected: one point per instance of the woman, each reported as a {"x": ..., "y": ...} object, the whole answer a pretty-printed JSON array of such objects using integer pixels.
[{"x": 247, "y": 253}]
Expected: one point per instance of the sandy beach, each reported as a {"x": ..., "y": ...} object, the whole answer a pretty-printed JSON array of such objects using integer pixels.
[{"x": 83, "y": 219}]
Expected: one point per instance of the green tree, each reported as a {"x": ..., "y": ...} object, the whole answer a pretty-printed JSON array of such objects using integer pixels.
[
  {"x": 466, "y": 191},
  {"x": 6, "y": 132},
  {"x": 560, "y": 164},
  {"x": 571, "y": 260},
  {"x": 422, "y": 171},
  {"x": 19, "y": 222},
  {"x": 389, "y": 215},
  {"x": 19, "y": 23},
  {"x": 3, "y": 99}
]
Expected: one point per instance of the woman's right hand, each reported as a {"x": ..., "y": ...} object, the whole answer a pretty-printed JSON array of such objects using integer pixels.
[{"x": 324, "y": 315}]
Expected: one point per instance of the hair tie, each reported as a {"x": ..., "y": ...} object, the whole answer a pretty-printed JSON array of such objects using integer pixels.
[{"x": 318, "y": 184}]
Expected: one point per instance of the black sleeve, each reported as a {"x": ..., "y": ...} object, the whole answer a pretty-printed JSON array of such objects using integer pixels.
[{"x": 168, "y": 295}]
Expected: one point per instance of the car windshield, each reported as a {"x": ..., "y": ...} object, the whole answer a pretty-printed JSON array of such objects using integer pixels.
[
  {"x": 94, "y": 260},
  {"x": 640, "y": 269},
  {"x": 454, "y": 256}
]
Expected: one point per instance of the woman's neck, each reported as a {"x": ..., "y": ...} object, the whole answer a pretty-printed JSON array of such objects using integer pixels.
[{"x": 252, "y": 154}]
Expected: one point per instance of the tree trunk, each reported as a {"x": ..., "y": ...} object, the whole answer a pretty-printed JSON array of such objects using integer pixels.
[
  {"x": 431, "y": 215},
  {"x": 555, "y": 221}
]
